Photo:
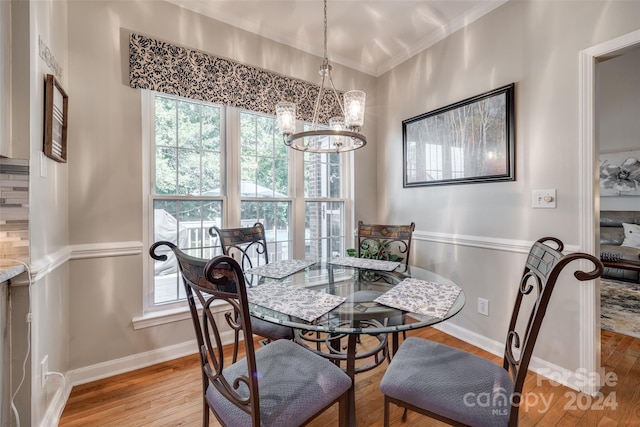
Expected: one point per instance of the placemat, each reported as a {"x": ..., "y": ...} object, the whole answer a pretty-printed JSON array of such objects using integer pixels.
[
  {"x": 370, "y": 264},
  {"x": 419, "y": 296},
  {"x": 294, "y": 301},
  {"x": 280, "y": 269}
]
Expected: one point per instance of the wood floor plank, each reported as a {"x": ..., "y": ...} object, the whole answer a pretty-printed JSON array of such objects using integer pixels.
[{"x": 169, "y": 394}]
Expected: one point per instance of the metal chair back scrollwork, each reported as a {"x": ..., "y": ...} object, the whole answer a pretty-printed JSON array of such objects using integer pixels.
[
  {"x": 385, "y": 242},
  {"x": 432, "y": 378},
  {"x": 247, "y": 245},
  {"x": 265, "y": 387}
]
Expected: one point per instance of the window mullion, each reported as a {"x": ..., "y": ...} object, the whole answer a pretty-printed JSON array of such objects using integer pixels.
[
  {"x": 232, "y": 162},
  {"x": 296, "y": 162}
]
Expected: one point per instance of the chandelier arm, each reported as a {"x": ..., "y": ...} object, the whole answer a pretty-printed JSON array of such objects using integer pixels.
[
  {"x": 335, "y": 93},
  {"x": 316, "y": 108}
]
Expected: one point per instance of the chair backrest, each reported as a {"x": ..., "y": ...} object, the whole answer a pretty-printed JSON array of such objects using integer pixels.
[
  {"x": 385, "y": 242},
  {"x": 247, "y": 245},
  {"x": 543, "y": 266},
  {"x": 208, "y": 281}
]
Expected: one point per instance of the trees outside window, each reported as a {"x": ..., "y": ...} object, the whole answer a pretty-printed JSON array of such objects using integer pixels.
[{"x": 216, "y": 165}]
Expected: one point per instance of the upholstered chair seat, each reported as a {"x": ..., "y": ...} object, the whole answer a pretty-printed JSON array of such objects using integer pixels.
[
  {"x": 453, "y": 380},
  {"x": 293, "y": 386}
]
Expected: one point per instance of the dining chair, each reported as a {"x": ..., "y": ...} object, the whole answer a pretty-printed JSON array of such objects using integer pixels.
[
  {"x": 460, "y": 388},
  {"x": 281, "y": 384},
  {"x": 385, "y": 242},
  {"x": 248, "y": 246}
]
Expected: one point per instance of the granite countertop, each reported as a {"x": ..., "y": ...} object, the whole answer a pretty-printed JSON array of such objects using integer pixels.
[{"x": 10, "y": 271}]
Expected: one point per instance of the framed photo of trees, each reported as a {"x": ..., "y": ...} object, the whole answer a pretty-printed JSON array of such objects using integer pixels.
[
  {"x": 55, "y": 120},
  {"x": 470, "y": 141}
]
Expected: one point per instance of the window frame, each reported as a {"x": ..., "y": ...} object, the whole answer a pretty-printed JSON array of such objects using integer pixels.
[{"x": 230, "y": 194}]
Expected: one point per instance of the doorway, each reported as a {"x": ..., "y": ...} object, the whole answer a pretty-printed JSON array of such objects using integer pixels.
[{"x": 590, "y": 201}]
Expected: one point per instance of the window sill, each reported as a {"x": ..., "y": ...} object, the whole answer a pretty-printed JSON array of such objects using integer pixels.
[{"x": 162, "y": 317}]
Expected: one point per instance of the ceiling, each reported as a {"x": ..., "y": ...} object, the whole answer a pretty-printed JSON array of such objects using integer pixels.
[{"x": 371, "y": 36}]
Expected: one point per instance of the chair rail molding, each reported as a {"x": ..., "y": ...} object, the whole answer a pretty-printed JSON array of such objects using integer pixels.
[
  {"x": 103, "y": 250},
  {"x": 482, "y": 242},
  {"x": 46, "y": 264}
]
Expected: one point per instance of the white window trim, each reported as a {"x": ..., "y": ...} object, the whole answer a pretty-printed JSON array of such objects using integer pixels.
[{"x": 170, "y": 312}]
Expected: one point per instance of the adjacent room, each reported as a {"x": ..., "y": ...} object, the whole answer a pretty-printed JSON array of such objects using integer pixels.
[{"x": 399, "y": 171}]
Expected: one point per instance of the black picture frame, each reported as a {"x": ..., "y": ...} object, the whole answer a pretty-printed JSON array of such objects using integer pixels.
[
  {"x": 56, "y": 104},
  {"x": 471, "y": 141}
]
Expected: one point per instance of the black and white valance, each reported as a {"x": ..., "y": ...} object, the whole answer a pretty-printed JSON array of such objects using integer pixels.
[{"x": 176, "y": 70}]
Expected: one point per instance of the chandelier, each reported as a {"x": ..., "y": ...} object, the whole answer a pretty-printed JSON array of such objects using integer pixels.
[{"x": 343, "y": 133}]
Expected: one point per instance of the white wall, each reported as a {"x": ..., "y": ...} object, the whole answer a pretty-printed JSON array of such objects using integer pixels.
[
  {"x": 618, "y": 95},
  {"x": 534, "y": 44}
]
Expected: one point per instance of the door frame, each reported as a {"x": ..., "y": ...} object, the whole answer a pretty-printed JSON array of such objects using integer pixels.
[{"x": 590, "y": 198}]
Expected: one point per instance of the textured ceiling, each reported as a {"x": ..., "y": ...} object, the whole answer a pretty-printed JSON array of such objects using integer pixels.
[{"x": 369, "y": 36}]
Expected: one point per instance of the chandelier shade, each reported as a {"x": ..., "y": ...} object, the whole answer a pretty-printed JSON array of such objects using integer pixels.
[{"x": 342, "y": 133}]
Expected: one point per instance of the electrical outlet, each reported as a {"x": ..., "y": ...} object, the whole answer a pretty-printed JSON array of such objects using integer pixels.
[
  {"x": 483, "y": 306},
  {"x": 44, "y": 368}
]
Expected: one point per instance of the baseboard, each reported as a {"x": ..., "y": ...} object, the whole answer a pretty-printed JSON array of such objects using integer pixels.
[
  {"x": 54, "y": 411},
  {"x": 118, "y": 366}
]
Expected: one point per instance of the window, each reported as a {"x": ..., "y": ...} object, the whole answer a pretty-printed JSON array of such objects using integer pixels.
[
  {"x": 187, "y": 179},
  {"x": 324, "y": 206},
  {"x": 264, "y": 172},
  {"x": 215, "y": 165}
]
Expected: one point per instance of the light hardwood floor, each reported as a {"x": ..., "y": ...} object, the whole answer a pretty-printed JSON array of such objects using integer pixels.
[{"x": 168, "y": 394}]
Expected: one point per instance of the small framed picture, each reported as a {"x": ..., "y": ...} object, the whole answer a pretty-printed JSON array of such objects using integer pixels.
[{"x": 55, "y": 120}]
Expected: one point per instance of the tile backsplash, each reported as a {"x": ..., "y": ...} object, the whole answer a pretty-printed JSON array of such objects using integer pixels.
[{"x": 14, "y": 209}]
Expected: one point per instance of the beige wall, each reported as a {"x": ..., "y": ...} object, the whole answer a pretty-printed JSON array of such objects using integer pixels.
[
  {"x": 47, "y": 297},
  {"x": 536, "y": 45},
  {"x": 105, "y": 158}
]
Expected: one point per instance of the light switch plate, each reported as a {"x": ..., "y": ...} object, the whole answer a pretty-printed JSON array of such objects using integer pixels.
[{"x": 543, "y": 199}]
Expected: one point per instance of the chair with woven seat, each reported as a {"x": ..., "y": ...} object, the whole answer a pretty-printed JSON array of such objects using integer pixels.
[
  {"x": 281, "y": 384},
  {"x": 448, "y": 384},
  {"x": 248, "y": 246}
]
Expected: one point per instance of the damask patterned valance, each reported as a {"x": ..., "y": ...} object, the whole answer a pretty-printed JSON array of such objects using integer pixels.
[{"x": 176, "y": 70}]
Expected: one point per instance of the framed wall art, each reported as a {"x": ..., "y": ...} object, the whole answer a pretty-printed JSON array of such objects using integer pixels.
[
  {"x": 55, "y": 120},
  {"x": 620, "y": 174},
  {"x": 470, "y": 141}
]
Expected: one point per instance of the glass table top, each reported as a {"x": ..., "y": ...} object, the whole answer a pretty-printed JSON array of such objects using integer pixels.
[{"x": 334, "y": 298}]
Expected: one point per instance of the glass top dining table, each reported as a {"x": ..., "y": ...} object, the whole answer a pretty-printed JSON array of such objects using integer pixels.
[
  {"x": 357, "y": 288},
  {"x": 327, "y": 303}
]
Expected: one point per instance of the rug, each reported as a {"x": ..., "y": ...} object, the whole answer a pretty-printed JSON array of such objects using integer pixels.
[{"x": 620, "y": 307}]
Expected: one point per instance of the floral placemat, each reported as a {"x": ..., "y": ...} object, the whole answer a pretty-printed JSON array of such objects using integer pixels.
[
  {"x": 294, "y": 301},
  {"x": 370, "y": 264},
  {"x": 419, "y": 296},
  {"x": 280, "y": 269}
]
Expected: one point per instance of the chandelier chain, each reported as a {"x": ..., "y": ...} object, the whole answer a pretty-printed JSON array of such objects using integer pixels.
[
  {"x": 325, "y": 31},
  {"x": 337, "y": 137}
]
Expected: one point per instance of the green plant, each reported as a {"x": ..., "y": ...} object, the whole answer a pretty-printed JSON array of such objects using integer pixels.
[{"x": 378, "y": 249}]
